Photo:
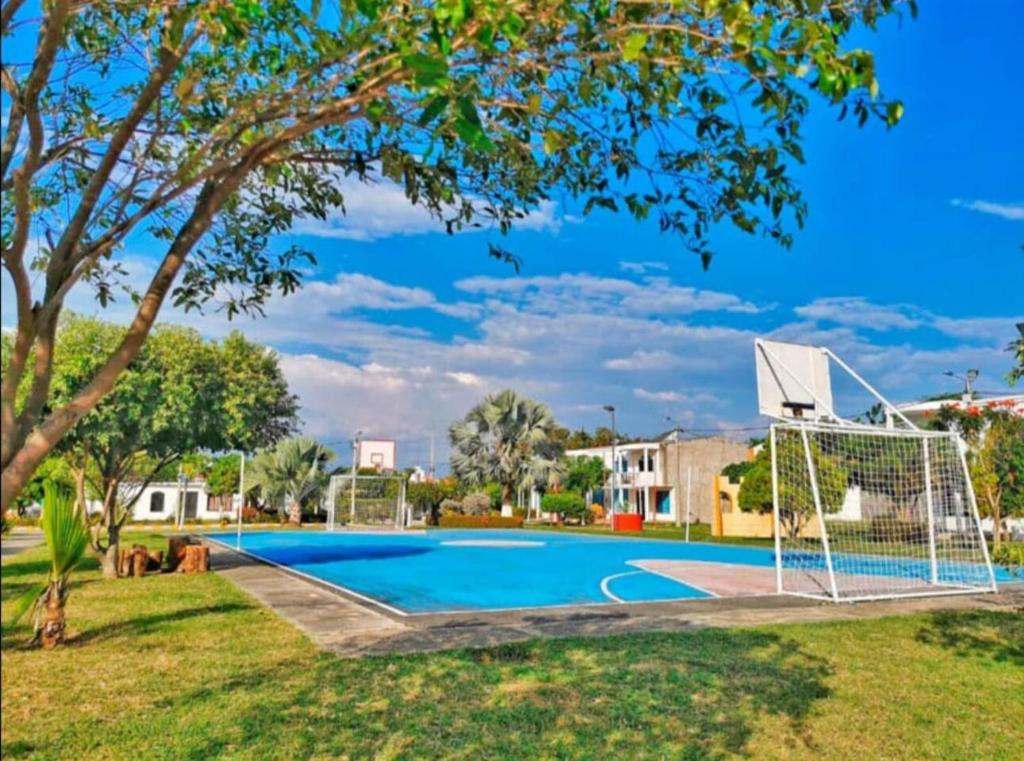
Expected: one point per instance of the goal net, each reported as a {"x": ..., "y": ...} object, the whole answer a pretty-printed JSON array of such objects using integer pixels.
[
  {"x": 866, "y": 513},
  {"x": 377, "y": 500}
]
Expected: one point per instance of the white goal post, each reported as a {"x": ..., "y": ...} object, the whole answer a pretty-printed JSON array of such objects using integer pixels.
[
  {"x": 866, "y": 514},
  {"x": 372, "y": 500},
  {"x": 863, "y": 512}
]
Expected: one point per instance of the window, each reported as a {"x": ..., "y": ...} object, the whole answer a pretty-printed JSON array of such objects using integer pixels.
[{"x": 156, "y": 502}]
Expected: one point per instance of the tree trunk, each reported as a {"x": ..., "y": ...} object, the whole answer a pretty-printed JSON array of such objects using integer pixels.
[
  {"x": 109, "y": 558},
  {"x": 52, "y": 625},
  {"x": 295, "y": 513},
  {"x": 997, "y": 525}
]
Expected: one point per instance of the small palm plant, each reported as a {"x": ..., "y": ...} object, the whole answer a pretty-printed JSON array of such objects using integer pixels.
[
  {"x": 67, "y": 538},
  {"x": 294, "y": 471}
]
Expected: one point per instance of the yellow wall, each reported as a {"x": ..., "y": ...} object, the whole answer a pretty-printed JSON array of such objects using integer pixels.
[{"x": 735, "y": 522}]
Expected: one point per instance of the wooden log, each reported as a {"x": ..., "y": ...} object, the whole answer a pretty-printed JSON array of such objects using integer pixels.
[
  {"x": 155, "y": 560},
  {"x": 176, "y": 551},
  {"x": 140, "y": 558},
  {"x": 124, "y": 562},
  {"x": 195, "y": 560}
]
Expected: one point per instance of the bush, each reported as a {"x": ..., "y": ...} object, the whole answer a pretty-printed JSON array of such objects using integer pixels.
[
  {"x": 596, "y": 512},
  {"x": 476, "y": 503},
  {"x": 479, "y": 521},
  {"x": 882, "y": 529},
  {"x": 451, "y": 507},
  {"x": 566, "y": 503},
  {"x": 1011, "y": 556}
]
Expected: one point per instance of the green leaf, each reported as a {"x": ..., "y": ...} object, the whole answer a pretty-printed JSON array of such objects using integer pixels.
[
  {"x": 432, "y": 110},
  {"x": 427, "y": 70},
  {"x": 633, "y": 47}
]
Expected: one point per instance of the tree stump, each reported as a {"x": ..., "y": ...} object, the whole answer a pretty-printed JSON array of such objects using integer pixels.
[
  {"x": 140, "y": 559},
  {"x": 124, "y": 562},
  {"x": 196, "y": 559},
  {"x": 155, "y": 560},
  {"x": 176, "y": 551}
]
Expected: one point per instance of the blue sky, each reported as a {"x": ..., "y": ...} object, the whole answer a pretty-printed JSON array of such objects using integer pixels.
[{"x": 910, "y": 264}]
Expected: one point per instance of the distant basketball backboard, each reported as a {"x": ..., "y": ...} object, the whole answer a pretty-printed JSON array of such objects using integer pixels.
[{"x": 793, "y": 380}]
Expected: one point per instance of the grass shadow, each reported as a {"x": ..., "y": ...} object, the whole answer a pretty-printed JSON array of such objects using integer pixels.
[
  {"x": 977, "y": 634},
  {"x": 148, "y": 624},
  {"x": 699, "y": 694}
]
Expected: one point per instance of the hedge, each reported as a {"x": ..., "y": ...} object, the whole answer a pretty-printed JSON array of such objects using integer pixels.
[{"x": 479, "y": 521}]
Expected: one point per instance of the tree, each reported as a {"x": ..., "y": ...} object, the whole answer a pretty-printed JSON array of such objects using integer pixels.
[
  {"x": 995, "y": 436},
  {"x": 584, "y": 474},
  {"x": 223, "y": 478},
  {"x": 232, "y": 120},
  {"x": 66, "y": 540},
  {"x": 1016, "y": 347},
  {"x": 569, "y": 504},
  {"x": 427, "y": 496},
  {"x": 171, "y": 401},
  {"x": 293, "y": 473},
  {"x": 796, "y": 499},
  {"x": 505, "y": 439}
]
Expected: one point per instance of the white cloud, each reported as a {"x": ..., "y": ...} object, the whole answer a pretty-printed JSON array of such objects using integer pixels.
[
  {"x": 643, "y": 360},
  {"x": 657, "y": 396},
  {"x": 858, "y": 312},
  {"x": 641, "y": 268},
  {"x": 1009, "y": 211},
  {"x": 650, "y": 296},
  {"x": 379, "y": 209}
]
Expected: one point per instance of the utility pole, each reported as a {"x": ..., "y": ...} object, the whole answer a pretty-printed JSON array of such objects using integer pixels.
[
  {"x": 615, "y": 464},
  {"x": 355, "y": 468},
  {"x": 968, "y": 379},
  {"x": 431, "y": 470},
  {"x": 679, "y": 470}
]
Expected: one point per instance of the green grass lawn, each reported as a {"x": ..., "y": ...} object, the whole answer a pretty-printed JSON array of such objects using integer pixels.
[{"x": 188, "y": 667}]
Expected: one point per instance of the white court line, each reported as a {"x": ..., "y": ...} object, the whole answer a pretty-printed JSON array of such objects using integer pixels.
[
  {"x": 604, "y": 584},
  {"x": 672, "y": 578}
]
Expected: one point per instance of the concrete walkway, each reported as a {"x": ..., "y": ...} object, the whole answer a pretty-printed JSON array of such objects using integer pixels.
[
  {"x": 18, "y": 541},
  {"x": 348, "y": 627}
]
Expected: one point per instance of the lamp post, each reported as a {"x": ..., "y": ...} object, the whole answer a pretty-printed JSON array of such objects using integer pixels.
[
  {"x": 241, "y": 502},
  {"x": 968, "y": 379},
  {"x": 182, "y": 496},
  {"x": 615, "y": 464},
  {"x": 355, "y": 468}
]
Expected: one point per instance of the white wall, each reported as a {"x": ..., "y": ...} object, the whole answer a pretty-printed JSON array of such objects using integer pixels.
[{"x": 143, "y": 510}]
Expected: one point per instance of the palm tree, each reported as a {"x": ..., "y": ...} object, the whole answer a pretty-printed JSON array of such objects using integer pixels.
[
  {"x": 293, "y": 472},
  {"x": 66, "y": 538},
  {"x": 506, "y": 439}
]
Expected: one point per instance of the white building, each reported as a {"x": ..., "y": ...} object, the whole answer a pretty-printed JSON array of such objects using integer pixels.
[
  {"x": 160, "y": 500},
  {"x": 378, "y": 454},
  {"x": 653, "y": 478}
]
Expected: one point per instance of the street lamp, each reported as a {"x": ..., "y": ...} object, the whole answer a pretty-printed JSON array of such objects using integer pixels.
[
  {"x": 968, "y": 379},
  {"x": 615, "y": 463},
  {"x": 241, "y": 501}
]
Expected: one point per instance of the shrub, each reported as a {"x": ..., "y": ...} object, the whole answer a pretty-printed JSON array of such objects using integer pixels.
[
  {"x": 451, "y": 507},
  {"x": 736, "y": 470},
  {"x": 567, "y": 503},
  {"x": 1011, "y": 556},
  {"x": 596, "y": 512},
  {"x": 476, "y": 503},
  {"x": 479, "y": 521},
  {"x": 881, "y": 529}
]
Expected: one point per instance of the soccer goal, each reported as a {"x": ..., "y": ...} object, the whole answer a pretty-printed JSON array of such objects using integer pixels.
[
  {"x": 863, "y": 512},
  {"x": 377, "y": 501}
]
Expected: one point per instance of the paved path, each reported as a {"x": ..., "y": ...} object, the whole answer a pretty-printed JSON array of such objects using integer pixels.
[
  {"x": 17, "y": 541},
  {"x": 348, "y": 627}
]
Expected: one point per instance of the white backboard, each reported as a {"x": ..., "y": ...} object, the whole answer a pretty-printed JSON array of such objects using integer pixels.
[{"x": 792, "y": 380}]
